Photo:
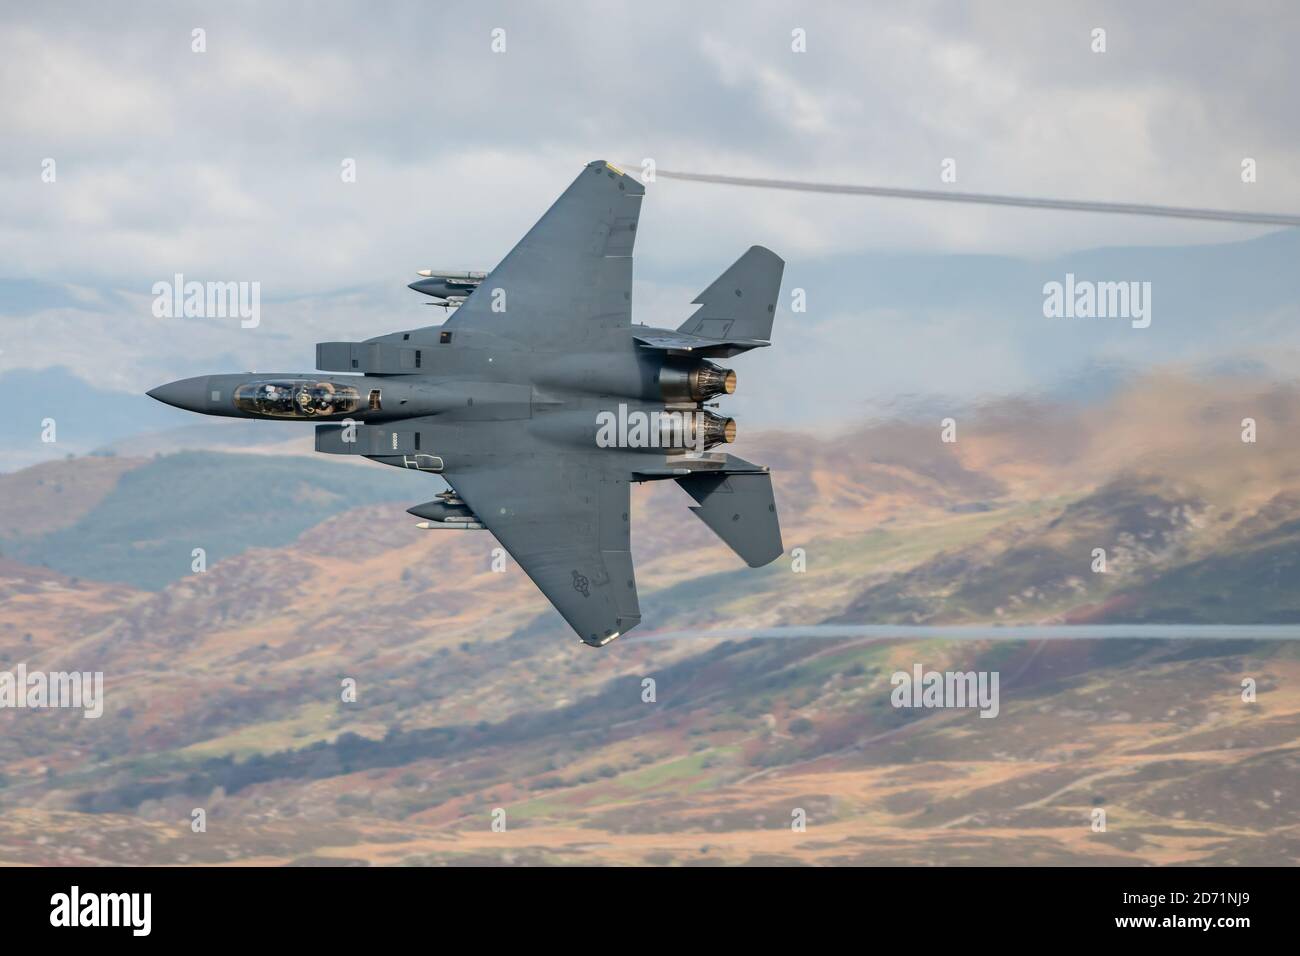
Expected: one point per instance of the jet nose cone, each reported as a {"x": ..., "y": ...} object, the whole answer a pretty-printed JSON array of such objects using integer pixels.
[{"x": 190, "y": 394}]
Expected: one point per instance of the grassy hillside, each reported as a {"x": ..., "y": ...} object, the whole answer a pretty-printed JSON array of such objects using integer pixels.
[
  {"x": 224, "y": 687},
  {"x": 141, "y": 526}
]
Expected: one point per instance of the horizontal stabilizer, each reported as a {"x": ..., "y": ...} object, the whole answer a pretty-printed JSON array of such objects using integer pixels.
[
  {"x": 669, "y": 341},
  {"x": 741, "y": 510},
  {"x": 741, "y": 303},
  {"x": 709, "y": 463}
]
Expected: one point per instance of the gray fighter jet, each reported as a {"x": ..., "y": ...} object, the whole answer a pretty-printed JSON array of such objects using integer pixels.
[{"x": 540, "y": 402}]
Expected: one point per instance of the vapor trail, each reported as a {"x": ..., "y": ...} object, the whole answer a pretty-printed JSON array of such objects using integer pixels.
[
  {"x": 990, "y": 199},
  {"x": 1226, "y": 632}
]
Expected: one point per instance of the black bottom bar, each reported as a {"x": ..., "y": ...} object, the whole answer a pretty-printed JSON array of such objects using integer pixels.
[{"x": 328, "y": 905}]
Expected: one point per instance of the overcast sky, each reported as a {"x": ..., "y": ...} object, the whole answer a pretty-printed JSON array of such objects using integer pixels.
[
  {"x": 226, "y": 164},
  {"x": 228, "y": 161}
]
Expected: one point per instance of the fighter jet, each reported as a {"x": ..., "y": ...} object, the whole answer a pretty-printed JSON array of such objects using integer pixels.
[{"x": 539, "y": 402}]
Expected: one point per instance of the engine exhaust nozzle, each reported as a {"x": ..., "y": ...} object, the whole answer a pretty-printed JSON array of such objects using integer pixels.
[{"x": 709, "y": 380}]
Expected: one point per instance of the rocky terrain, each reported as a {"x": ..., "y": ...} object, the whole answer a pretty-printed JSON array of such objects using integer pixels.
[{"x": 224, "y": 689}]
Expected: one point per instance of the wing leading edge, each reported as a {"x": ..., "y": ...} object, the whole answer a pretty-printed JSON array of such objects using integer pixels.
[{"x": 571, "y": 275}]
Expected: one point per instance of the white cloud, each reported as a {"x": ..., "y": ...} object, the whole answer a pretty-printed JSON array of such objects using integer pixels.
[
  {"x": 228, "y": 160},
  {"x": 225, "y": 165}
]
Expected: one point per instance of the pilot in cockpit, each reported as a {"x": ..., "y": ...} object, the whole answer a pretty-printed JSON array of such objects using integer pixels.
[
  {"x": 317, "y": 399},
  {"x": 272, "y": 399},
  {"x": 297, "y": 399}
]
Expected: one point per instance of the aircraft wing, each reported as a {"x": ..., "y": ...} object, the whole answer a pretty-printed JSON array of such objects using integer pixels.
[
  {"x": 569, "y": 528},
  {"x": 571, "y": 275}
]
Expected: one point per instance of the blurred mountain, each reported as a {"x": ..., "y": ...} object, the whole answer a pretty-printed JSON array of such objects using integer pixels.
[
  {"x": 882, "y": 333},
  {"x": 224, "y": 689},
  {"x": 137, "y": 521},
  {"x": 85, "y": 416}
]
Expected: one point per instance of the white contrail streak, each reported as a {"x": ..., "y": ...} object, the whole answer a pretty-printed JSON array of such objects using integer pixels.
[
  {"x": 990, "y": 199},
  {"x": 1035, "y": 632}
]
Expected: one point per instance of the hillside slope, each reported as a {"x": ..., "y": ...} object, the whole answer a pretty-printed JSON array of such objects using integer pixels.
[{"x": 224, "y": 688}]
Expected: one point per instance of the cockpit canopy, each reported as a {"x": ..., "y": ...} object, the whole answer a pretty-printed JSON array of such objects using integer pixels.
[{"x": 297, "y": 398}]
